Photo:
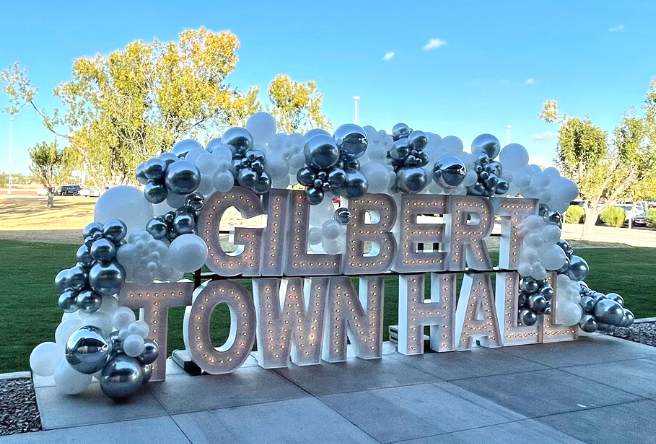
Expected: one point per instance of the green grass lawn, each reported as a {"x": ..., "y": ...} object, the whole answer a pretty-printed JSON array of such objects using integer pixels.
[{"x": 29, "y": 312}]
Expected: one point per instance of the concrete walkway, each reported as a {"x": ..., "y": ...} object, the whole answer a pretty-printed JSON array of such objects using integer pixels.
[{"x": 595, "y": 390}]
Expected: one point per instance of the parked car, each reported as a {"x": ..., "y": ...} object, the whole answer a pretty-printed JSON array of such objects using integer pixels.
[
  {"x": 42, "y": 192},
  {"x": 637, "y": 214},
  {"x": 69, "y": 190},
  {"x": 89, "y": 192}
]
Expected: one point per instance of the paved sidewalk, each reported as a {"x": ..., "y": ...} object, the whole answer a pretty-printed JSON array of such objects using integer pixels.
[{"x": 595, "y": 390}]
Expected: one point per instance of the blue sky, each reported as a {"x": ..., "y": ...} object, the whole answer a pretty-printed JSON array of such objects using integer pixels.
[{"x": 491, "y": 64}]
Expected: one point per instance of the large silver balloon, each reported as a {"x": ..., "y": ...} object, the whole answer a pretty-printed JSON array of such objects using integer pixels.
[
  {"x": 400, "y": 149},
  {"x": 68, "y": 301},
  {"x": 577, "y": 269},
  {"x": 615, "y": 297},
  {"x": 83, "y": 257},
  {"x": 356, "y": 184},
  {"x": 337, "y": 177},
  {"x": 115, "y": 230},
  {"x": 88, "y": 301},
  {"x": 184, "y": 223},
  {"x": 400, "y": 131},
  {"x": 77, "y": 278},
  {"x": 321, "y": 152},
  {"x": 411, "y": 179},
  {"x": 103, "y": 250},
  {"x": 314, "y": 196},
  {"x": 88, "y": 349},
  {"x": 157, "y": 227},
  {"x": 61, "y": 280},
  {"x": 247, "y": 177},
  {"x": 486, "y": 144},
  {"x": 154, "y": 169},
  {"x": 150, "y": 353},
  {"x": 107, "y": 279},
  {"x": 609, "y": 312},
  {"x": 121, "y": 377},
  {"x": 628, "y": 318},
  {"x": 449, "y": 171},
  {"x": 417, "y": 140},
  {"x": 182, "y": 177},
  {"x": 351, "y": 140},
  {"x": 238, "y": 139},
  {"x": 155, "y": 192},
  {"x": 181, "y": 148},
  {"x": 92, "y": 228},
  {"x": 588, "y": 323},
  {"x": 168, "y": 158},
  {"x": 529, "y": 285},
  {"x": 527, "y": 317},
  {"x": 263, "y": 183},
  {"x": 305, "y": 176},
  {"x": 547, "y": 292}
]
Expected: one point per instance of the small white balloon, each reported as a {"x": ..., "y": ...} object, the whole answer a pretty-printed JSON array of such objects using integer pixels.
[
  {"x": 262, "y": 126},
  {"x": 139, "y": 328},
  {"x": 68, "y": 380},
  {"x": 223, "y": 181},
  {"x": 314, "y": 236},
  {"x": 122, "y": 318},
  {"x": 44, "y": 358},
  {"x": 194, "y": 154},
  {"x": 187, "y": 253},
  {"x": 133, "y": 345},
  {"x": 66, "y": 329},
  {"x": 330, "y": 229}
]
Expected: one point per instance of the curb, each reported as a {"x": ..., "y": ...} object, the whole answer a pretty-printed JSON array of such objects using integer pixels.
[
  {"x": 14, "y": 375},
  {"x": 644, "y": 320}
]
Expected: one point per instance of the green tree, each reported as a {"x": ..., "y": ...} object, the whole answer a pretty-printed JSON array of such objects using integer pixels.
[
  {"x": 296, "y": 105},
  {"x": 124, "y": 108},
  {"x": 51, "y": 166},
  {"x": 606, "y": 172}
]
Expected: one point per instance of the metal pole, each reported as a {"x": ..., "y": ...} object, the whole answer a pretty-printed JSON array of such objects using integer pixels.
[
  {"x": 356, "y": 98},
  {"x": 508, "y": 128},
  {"x": 11, "y": 138}
]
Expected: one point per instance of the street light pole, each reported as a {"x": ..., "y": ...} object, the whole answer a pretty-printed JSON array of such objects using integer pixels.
[
  {"x": 356, "y": 98},
  {"x": 11, "y": 139},
  {"x": 508, "y": 128}
]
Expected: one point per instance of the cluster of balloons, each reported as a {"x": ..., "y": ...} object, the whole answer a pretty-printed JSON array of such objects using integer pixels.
[
  {"x": 146, "y": 259},
  {"x": 168, "y": 174},
  {"x": 327, "y": 228},
  {"x": 540, "y": 252},
  {"x": 534, "y": 299},
  {"x": 602, "y": 312},
  {"x": 180, "y": 221},
  {"x": 408, "y": 158},
  {"x": 575, "y": 267},
  {"x": 97, "y": 273},
  {"x": 489, "y": 181},
  {"x": 247, "y": 162}
]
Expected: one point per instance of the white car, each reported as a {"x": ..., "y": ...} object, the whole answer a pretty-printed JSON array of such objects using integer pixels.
[
  {"x": 89, "y": 192},
  {"x": 42, "y": 192}
]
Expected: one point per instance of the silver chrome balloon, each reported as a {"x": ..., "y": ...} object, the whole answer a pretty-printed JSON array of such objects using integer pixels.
[
  {"x": 449, "y": 172},
  {"x": 158, "y": 228},
  {"x": 184, "y": 223},
  {"x": 502, "y": 186},
  {"x": 609, "y": 312},
  {"x": 77, "y": 278},
  {"x": 314, "y": 196},
  {"x": 103, "y": 250},
  {"x": 615, "y": 297},
  {"x": 88, "y": 301},
  {"x": 68, "y": 301},
  {"x": 306, "y": 176},
  {"x": 321, "y": 152},
  {"x": 168, "y": 158},
  {"x": 141, "y": 174},
  {"x": 351, "y": 140},
  {"x": 91, "y": 229},
  {"x": 150, "y": 353},
  {"x": 400, "y": 131},
  {"x": 115, "y": 230},
  {"x": 337, "y": 177},
  {"x": 61, "y": 280},
  {"x": 83, "y": 257},
  {"x": 343, "y": 215},
  {"x": 628, "y": 318},
  {"x": 411, "y": 180},
  {"x": 107, "y": 279},
  {"x": 154, "y": 169},
  {"x": 529, "y": 285},
  {"x": 182, "y": 177},
  {"x": 121, "y": 377},
  {"x": 486, "y": 144},
  {"x": 147, "y": 371},
  {"x": 88, "y": 349},
  {"x": 263, "y": 183},
  {"x": 527, "y": 317},
  {"x": 356, "y": 184},
  {"x": 155, "y": 192},
  {"x": 247, "y": 177},
  {"x": 196, "y": 202},
  {"x": 181, "y": 148},
  {"x": 238, "y": 139},
  {"x": 537, "y": 303},
  {"x": 417, "y": 140},
  {"x": 577, "y": 269},
  {"x": 588, "y": 323},
  {"x": 587, "y": 304},
  {"x": 400, "y": 149}
]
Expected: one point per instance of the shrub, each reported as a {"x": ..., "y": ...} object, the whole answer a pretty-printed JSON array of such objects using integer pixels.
[
  {"x": 574, "y": 215},
  {"x": 614, "y": 216},
  {"x": 651, "y": 218}
]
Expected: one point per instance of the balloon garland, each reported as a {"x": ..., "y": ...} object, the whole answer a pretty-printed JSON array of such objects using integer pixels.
[{"x": 149, "y": 235}]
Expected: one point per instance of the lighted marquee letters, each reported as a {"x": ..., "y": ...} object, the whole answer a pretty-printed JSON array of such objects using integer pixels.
[
  {"x": 476, "y": 317},
  {"x": 472, "y": 220},
  {"x": 512, "y": 212},
  {"x": 507, "y": 302},
  {"x": 551, "y": 330}
]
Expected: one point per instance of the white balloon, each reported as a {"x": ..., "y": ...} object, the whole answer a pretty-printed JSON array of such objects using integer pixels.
[
  {"x": 66, "y": 329},
  {"x": 207, "y": 164},
  {"x": 281, "y": 183},
  {"x": 471, "y": 178},
  {"x": 330, "y": 229},
  {"x": 539, "y": 273},
  {"x": 377, "y": 177},
  {"x": 101, "y": 320},
  {"x": 297, "y": 160},
  {"x": 213, "y": 144},
  {"x": 133, "y": 345},
  {"x": 540, "y": 180},
  {"x": 122, "y": 318},
  {"x": 533, "y": 240},
  {"x": 277, "y": 167},
  {"x": 222, "y": 152},
  {"x": 551, "y": 234},
  {"x": 451, "y": 145},
  {"x": 139, "y": 328},
  {"x": 525, "y": 269},
  {"x": 513, "y": 157},
  {"x": 314, "y": 132},
  {"x": 223, "y": 181},
  {"x": 44, "y": 358},
  {"x": 521, "y": 179},
  {"x": 193, "y": 155},
  {"x": 187, "y": 253},
  {"x": 206, "y": 187},
  {"x": 68, "y": 380},
  {"x": 126, "y": 203},
  {"x": 533, "y": 223},
  {"x": 552, "y": 173},
  {"x": 553, "y": 257},
  {"x": 569, "y": 313},
  {"x": 109, "y": 305},
  {"x": 332, "y": 246},
  {"x": 262, "y": 126},
  {"x": 314, "y": 236}
]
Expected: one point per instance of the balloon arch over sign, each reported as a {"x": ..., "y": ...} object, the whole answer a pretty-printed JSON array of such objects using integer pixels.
[{"x": 413, "y": 205}]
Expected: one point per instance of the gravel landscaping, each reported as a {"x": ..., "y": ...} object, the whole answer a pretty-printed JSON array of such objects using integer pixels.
[
  {"x": 18, "y": 412},
  {"x": 642, "y": 332}
]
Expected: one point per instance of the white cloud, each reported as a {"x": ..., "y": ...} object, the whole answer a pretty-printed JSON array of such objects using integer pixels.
[
  {"x": 530, "y": 81},
  {"x": 616, "y": 28},
  {"x": 544, "y": 136},
  {"x": 433, "y": 44},
  {"x": 388, "y": 55}
]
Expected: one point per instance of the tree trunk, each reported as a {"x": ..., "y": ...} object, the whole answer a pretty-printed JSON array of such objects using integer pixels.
[{"x": 591, "y": 216}]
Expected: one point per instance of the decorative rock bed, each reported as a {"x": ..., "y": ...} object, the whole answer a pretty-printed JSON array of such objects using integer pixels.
[
  {"x": 18, "y": 411},
  {"x": 642, "y": 332}
]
